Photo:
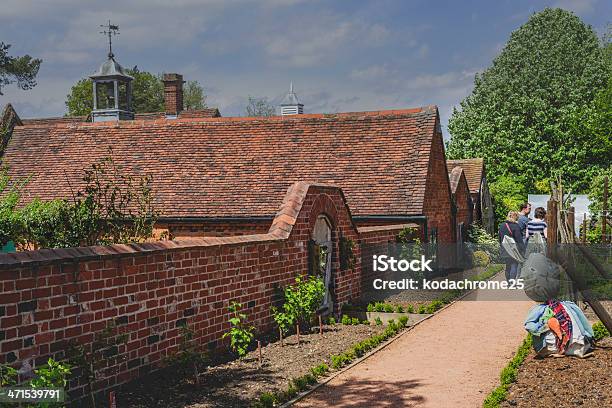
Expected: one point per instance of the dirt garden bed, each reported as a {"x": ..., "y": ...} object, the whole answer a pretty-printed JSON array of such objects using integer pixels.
[
  {"x": 237, "y": 383},
  {"x": 564, "y": 382}
]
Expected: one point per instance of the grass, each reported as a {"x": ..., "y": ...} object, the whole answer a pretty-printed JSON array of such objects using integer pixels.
[{"x": 508, "y": 376}]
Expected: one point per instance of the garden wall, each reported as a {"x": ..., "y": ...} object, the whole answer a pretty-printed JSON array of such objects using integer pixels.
[
  {"x": 375, "y": 240},
  {"x": 54, "y": 298}
]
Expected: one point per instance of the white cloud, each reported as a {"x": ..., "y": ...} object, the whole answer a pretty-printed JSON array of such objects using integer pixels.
[
  {"x": 578, "y": 6},
  {"x": 310, "y": 40}
]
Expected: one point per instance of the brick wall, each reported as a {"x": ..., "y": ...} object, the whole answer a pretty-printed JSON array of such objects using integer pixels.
[
  {"x": 438, "y": 204},
  {"x": 376, "y": 240},
  {"x": 215, "y": 229},
  {"x": 52, "y": 298},
  {"x": 463, "y": 200}
]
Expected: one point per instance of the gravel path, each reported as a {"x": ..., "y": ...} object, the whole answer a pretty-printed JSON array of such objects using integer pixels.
[{"x": 451, "y": 360}]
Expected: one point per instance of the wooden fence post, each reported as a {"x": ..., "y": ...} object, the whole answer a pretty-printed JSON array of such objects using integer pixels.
[
  {"x": 604, "y": 212},
  {"x": 584, "y": 229},
  {"x": 552, "y": 226},
  {"x": 571, "y": 221}
]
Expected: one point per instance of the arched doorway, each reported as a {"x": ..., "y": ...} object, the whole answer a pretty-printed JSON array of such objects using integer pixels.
[{"x": 322, "y": 237}]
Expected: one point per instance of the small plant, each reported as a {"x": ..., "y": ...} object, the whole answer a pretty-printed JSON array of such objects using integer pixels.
[
  {"x": 403, "y": 320},
  {"x": 379, "y": 307},
  {"x": 370, "y": 307},
  {"x": 600, "y": 331},
  {"x": 388, "y": 308},
  {"x": 481, "y": 258},
  {"x": 189, "y": 358},
  {"x": 320, "y": 370},
  {"x": 266, "y": 400},
  {"x": 410, "y": 309},
  {"x": 52, "y": 374},
  {"x": 422, "y": 309},
  {"x": 8, "y": 376},
  {"x": 283, "y": 320},
  {"x": 240, "y": 334},
  {"x": 434, "y": 306},
  {"x": 378, "y": 321},
  {"x": 399, "y": 309},
  {"x": 332, "y": 320},
  {"x": 302, "y": 299},
  {"x": 355, "y": 321},
  {"x": 346, "y": 320},
  {"x": 366, "y": 322}
]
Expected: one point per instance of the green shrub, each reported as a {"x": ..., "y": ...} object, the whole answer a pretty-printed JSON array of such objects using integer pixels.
[
  {"x": 508, "y": 375},
  {"x": 303, "y": 298},
  {"x": 378, "y": 321},
  {"x": 403, "y": 320},
  {"x": 399, "y": 309},
  {"x": 355, "y": 321},
  {"x": 346, "y": 320},
  {"x": 301, "y": 383},
  {"x": 422, "y": 309},
  {"x": 320, "y": 370},
  {"x": 410, "y": 309},
  {"x": 434, "y": 306},
  {"x": 366, "y": 322},
  {"x": 481, "y": 258},
  {"x": 600, "y": 331},
  {"x": 370, "y": 307},
  {"x": 331, "y": 320},
  {"x": 266, "y": 400},
  {"x": 338, "y": 361},
  {"x": 379, "y": 307},
  {"x": 388, "y": 308}
]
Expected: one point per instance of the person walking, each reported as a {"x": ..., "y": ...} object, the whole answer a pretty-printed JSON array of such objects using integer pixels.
[
  {"x": 511, "y": 228},
  {"x": 537, "y": 225},
  {"x": 524, "y": 219}
]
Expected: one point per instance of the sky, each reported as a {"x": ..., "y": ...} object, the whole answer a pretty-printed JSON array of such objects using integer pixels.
[{"x": 342, "y": 55}]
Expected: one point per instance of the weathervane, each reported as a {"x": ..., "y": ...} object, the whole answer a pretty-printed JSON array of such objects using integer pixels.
[{"x": 110, "y": 30}]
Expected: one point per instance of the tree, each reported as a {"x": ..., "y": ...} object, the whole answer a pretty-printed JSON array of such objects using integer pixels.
[
  {"x": 193, "y": 96},
  {"x": 508, "y": 194},
  {"x": 22, "y": 70},
  {"x": 259, "y": 107},
  {"x": 112, "y": 208},
  {"x": 147, "y": 94},
  {"x": 521, "y": 114}
]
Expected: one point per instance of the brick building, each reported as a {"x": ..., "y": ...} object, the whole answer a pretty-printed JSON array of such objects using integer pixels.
[
  {"x": 475, "y": 175},
  {"x": 246, "y": 200},
  {"x": 227, "y": 176},
  {"x": 462, "y": 200}
]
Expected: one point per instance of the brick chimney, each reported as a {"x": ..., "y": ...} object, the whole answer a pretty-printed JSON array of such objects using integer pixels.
[{"x": 173, "y": 93}]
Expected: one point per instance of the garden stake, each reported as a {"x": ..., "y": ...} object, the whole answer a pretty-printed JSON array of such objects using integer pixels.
[
  {"x": 298, "y": 333},
  {"x": 320, "y": 326},
  {"x": 259, "y": 351}
]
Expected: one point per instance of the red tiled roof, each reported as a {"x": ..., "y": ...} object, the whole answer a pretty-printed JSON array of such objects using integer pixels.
[
  {"x": 241, "y": 166},
  {"x": 454, "y": 177},
  {"x": 473, "y": 169},
  {"x": 62, "y": 120}
]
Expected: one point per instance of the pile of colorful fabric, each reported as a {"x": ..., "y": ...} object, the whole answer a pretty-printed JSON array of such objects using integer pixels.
[{"x": 559, "y": 328}]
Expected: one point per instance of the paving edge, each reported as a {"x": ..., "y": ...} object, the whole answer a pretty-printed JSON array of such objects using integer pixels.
[{"x": 376, "y": 350}]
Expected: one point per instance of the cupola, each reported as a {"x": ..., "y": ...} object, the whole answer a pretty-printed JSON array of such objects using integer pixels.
[{"x": 112, "y": 87}]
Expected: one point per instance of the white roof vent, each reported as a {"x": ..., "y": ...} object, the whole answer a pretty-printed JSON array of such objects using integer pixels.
[{"x": 290, "y": 105}]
